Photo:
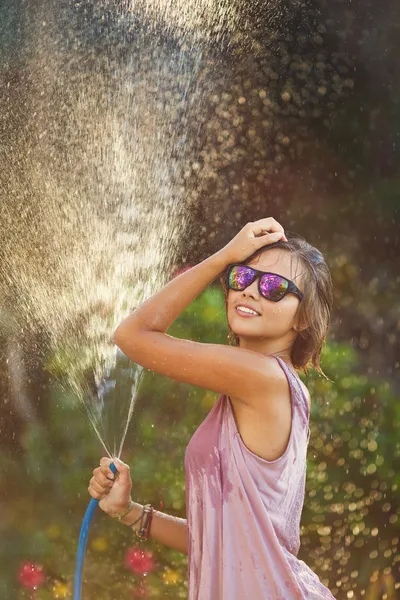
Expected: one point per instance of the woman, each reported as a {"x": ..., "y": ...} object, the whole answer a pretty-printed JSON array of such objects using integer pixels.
[{"x": 246, "y": 463}]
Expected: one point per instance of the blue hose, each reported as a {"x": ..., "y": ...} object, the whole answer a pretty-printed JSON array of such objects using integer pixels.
[{"x": 83, "y": 536}]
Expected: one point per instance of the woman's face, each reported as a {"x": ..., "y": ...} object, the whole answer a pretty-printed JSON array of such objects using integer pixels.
[{"x": 276, "y": 319}]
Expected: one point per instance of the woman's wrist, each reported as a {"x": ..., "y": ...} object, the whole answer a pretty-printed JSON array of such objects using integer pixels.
[
  {"x": 124, "y": 511},
  {"x": 133, "y": 515},
  {"x": 222, "y": 258}
]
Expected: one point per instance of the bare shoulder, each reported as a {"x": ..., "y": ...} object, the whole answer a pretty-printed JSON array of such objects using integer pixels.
[
  {"x": 277, "y": 388},
  {"x": 264, "y": 422},
  {"x": 268, "y": 399}
]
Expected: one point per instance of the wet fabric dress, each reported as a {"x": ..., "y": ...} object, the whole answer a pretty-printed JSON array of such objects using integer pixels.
[{"x": 243, "y": 512}]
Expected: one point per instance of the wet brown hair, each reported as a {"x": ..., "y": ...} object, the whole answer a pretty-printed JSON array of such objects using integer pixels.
[{"x": 315, "y": 308}]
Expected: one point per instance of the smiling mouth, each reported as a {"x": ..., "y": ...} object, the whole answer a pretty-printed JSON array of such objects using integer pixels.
[{"x": 244, "y": 313}]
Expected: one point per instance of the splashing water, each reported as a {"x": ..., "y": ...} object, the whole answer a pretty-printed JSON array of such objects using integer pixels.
[{"x": 100, "y": 199}]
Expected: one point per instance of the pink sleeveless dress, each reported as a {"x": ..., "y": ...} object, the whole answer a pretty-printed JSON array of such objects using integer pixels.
[{"x": 243, "y": 512}]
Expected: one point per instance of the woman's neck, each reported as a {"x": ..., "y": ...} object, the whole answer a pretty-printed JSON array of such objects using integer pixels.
[
  {"x": 267, "y": 348},
  {"x": 284, "y": 354}
]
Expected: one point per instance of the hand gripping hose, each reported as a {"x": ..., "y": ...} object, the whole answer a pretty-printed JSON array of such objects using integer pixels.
[{"x": 83, "y": 537}]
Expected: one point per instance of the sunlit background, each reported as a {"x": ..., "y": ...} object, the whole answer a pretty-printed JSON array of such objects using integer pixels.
[{"x": 136, "y": 139}]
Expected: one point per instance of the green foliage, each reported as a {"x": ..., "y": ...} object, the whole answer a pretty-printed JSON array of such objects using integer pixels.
[{"x": 350, "y": 517}]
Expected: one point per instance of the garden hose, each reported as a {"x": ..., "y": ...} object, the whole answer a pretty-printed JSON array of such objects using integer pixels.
[{"x": 83, "y": 537}]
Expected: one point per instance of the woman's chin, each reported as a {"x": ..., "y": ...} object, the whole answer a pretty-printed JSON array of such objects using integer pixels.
[
  {"x": 244, "y": 326},
  {"x": 242, "y": 332}
]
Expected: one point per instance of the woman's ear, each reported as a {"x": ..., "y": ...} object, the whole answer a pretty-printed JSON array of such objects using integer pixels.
[{"x": 299, "y": 328}]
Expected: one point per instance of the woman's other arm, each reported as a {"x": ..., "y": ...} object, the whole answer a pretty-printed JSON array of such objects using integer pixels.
[
  {"x": 114, "y": 495},
  {"x": 166, "y": 529}
]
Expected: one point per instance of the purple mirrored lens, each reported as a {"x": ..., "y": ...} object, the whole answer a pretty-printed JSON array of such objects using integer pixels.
[
  {"x": 273, "y": 287},
  {"x": 240, "y": 277}
]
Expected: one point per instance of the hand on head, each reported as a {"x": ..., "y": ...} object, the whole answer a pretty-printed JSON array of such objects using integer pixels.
[{"x": 252, "y": 237}]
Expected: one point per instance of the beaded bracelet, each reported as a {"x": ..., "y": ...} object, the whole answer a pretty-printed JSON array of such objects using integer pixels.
[
  {"x": 151, "y": 515},
  {"x": 139, "y": 518},
  {"x": 144, "y": 529}
]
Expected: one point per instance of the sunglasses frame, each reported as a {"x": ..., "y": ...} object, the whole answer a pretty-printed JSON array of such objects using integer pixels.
[{"x": 291, "y": 289}]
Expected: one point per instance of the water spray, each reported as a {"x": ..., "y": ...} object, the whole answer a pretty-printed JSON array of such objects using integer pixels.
[{"x": 115, "y": 390}]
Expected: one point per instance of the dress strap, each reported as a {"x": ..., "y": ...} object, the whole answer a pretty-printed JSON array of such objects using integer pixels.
[{"x": 300, "y": 397}]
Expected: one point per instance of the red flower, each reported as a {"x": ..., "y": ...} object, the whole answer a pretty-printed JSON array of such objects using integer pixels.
[
  {"x": 139, "y": 561},
  {"x": 140, "y": 591},
  {"x": 31, "y": 575}
]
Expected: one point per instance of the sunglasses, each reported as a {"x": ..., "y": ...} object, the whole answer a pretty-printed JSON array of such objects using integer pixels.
[{"x": 270, "y": 285}]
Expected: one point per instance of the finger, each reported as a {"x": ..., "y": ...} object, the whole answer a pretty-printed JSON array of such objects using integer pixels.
[
  {"x": 275, "y": 224},
  {"x": 269, "y": 224},
  {"x": 98, "y": 487},
  {"x": 105, "y": 463},
  {"x": 94, "y": 494},
  {"x": 271, "y": 238},
  {"x": 123, "y": 470},
  {"x": 265, "y": 226},
  {"x": 101, "y": 478}
]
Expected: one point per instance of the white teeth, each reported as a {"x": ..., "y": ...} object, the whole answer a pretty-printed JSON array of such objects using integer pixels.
[{"x": 248, "y": 310}]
